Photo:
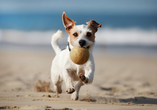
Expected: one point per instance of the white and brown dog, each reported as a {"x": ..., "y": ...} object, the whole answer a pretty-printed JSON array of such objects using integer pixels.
[{"x": 63, "y": 69}]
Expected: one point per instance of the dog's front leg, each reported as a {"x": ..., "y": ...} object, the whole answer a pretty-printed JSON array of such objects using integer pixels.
[
  {"x": 75, "y": 95},
  {"x": 68, "y": 81},
  {"x": 87, "y": 78}
]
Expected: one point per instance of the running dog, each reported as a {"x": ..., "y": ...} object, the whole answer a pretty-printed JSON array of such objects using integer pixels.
[{"x": 63, "y": 69}]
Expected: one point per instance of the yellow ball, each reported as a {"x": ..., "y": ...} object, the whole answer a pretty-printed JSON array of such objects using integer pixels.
[{"x": 79, "y": 55}]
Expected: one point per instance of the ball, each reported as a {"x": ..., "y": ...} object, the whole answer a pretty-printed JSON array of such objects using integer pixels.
[{"x": 79, "y": 55}]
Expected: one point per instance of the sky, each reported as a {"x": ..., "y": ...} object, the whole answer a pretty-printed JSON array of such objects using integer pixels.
[{"x": 90, "y": 6}]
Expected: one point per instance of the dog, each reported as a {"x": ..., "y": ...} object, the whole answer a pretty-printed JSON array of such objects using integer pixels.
[{"x": 63, "y": 69}]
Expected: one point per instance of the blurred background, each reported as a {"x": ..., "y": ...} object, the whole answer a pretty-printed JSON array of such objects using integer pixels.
[{"x": 129, "y": 27}]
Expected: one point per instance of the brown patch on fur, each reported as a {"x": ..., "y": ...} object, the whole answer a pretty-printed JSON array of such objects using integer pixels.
[
  {"x": 67, "y": 22},
  {"x": 70, "y": 27},
  {"x": 83, "y": 78},
  {"x": 72, "y": 37},
  {"x": 94, "y": 25},
  {"x": 92, "y": 37}
]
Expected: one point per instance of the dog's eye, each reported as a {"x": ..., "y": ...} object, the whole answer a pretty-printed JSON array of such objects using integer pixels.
[
  {"x": 75, "y": 34},
  {"x": 89, "y": 34}
]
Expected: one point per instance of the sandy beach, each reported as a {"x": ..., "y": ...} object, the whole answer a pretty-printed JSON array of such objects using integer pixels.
[{"x": 120, "y": 83}]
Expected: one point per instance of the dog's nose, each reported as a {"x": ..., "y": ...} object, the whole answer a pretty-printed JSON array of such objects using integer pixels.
[{"x": 82, "y": 43}]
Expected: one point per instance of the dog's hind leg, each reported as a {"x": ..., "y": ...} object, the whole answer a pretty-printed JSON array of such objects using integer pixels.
[
  {"x": 57, "y": 87},
  {"x": 77, "y": 87},
  {"x": 56, "y": 80}
]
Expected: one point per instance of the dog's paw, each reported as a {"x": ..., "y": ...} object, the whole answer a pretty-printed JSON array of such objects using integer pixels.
[
  {"x": 83, "y": 78},
  {"x": 74, "y": 96},
  {"x": 70, "y": 90}
]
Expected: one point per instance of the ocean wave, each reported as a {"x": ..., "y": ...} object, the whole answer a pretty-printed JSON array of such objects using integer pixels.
[
  {"x": 105, "y": 36},
  {"x": 132, "y": 36}
]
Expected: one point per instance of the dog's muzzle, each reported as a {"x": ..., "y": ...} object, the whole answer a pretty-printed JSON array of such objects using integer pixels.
[{"x": 82, "y": 43}]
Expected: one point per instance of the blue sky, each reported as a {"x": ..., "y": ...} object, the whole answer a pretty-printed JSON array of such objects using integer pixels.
[{"x": 90, "y": 6}]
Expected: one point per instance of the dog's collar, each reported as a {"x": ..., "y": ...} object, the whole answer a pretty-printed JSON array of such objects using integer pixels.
[{"x": 69, "y": 47}]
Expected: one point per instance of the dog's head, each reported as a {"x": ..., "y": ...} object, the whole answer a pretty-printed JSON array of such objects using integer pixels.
[{"x": 80, "y": 35}]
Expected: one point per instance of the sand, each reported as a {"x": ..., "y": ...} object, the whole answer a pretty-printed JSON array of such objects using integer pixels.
[{"x": 120, "y": 82}]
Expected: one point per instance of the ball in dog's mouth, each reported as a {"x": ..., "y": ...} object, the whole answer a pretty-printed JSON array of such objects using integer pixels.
[{"x": 79, "y": 55}]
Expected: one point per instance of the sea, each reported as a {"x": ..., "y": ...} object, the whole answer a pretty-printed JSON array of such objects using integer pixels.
[{"x": 122, "y": 33}]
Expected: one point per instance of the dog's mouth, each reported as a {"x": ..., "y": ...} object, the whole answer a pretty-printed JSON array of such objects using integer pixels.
[{"x": 88, "y": 47}]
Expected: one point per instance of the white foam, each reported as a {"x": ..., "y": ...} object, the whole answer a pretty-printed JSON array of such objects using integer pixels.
[
  {"x": 131, "y": 36},
  {"x": 24, "y": 37},
  {"x": 104, "y": 36}
]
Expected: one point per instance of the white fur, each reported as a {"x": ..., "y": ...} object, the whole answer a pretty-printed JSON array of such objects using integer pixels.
[
  {"x": 54, "y": 41},
  {"x": 63, "y": 69}
]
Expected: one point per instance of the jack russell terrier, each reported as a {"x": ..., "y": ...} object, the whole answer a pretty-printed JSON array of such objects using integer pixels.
[{"x": 63, "y": 69}]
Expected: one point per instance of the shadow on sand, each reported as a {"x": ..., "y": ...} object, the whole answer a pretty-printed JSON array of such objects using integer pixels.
[
  {"x": 134, "y": 100},
  {"x": 140, "y": 100}
]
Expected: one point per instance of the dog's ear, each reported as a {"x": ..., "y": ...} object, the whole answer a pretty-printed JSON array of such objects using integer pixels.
[
  {"x": 93, "y": 24},
  {"x": 67, "y": 22}
]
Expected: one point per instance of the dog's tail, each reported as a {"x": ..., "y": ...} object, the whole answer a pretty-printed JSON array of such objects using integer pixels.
[{"x": 54, "y": 41}]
